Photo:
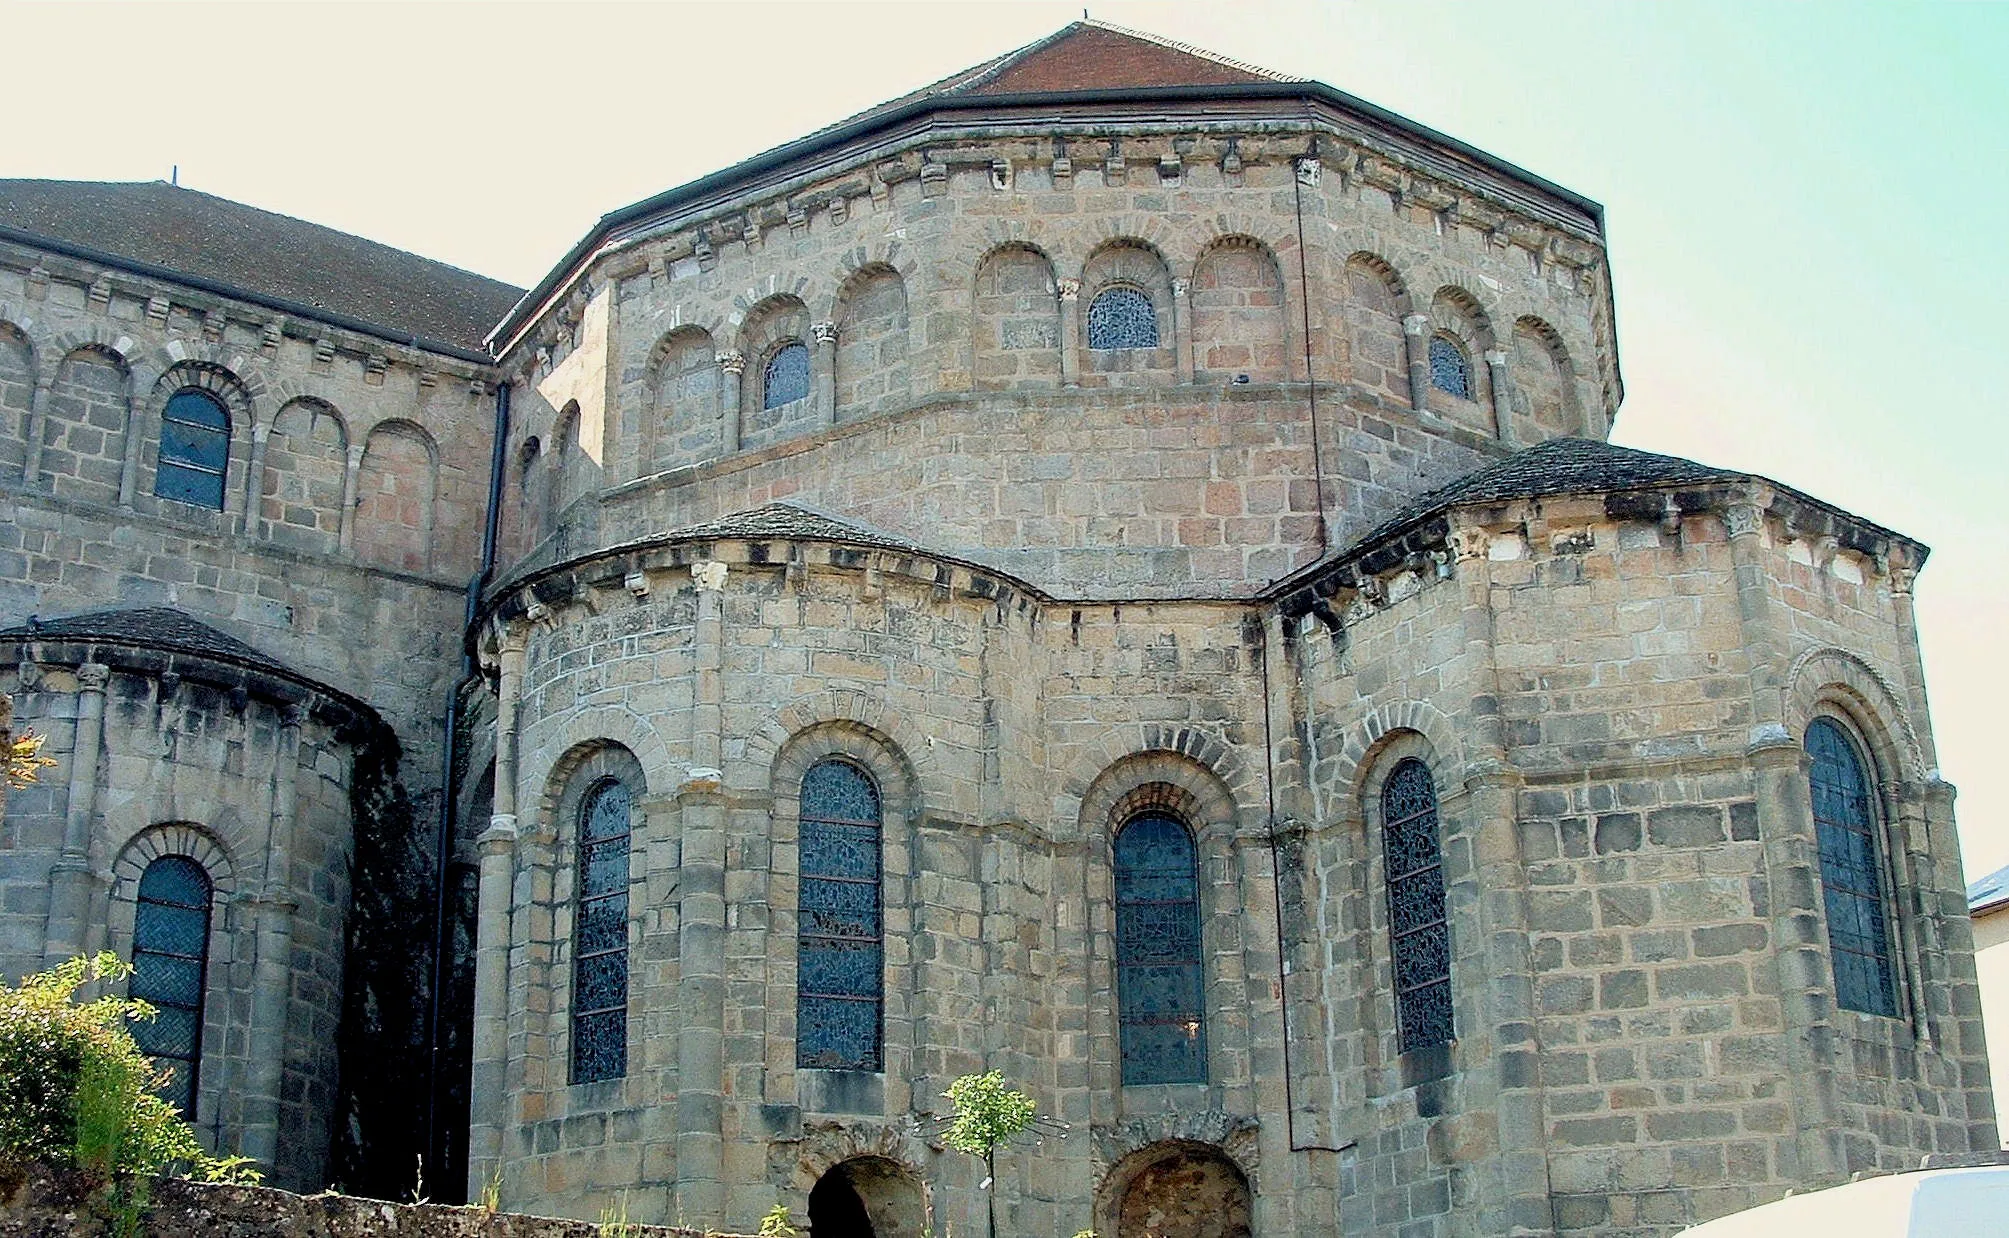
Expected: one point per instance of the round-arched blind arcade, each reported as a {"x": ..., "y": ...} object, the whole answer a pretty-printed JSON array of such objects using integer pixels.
[
  {"x": 170, "y": 957},
  {"x": 1419, "y": 935},
  {"x": 1122, "y": 317},
  {"x": 194, "y": 450},
  {"x": 840, "y": 989},
  {"x": 1845, "y": 824},
  {"x": 1450, "y": 372},
  {"x": 1160, "y": 976},
  {"x": 786, "y": 378},
  {"x": 600, "y": 937}
]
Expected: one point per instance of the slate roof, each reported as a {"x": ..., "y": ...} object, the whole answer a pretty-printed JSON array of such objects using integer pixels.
[
  {"x": 314, "y": 271},
  {"x": 1989, "y": 892},
  {"x": 786, "y": 521},
  {"x": 1086, "y": 55},
  {"x": 150, "y": 627},
  {"x": 1558, "y": 466}
]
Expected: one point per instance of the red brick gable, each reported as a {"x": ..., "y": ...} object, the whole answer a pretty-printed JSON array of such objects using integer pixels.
[{"x": 1088, "y": 56}]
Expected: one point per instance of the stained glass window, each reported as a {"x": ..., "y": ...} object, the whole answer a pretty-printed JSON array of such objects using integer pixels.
[
  {"x": 600, "y": 938},
  {"x": 194, "y": 450},
  {"x": 1419, "y": 937},
  {"x": 1122, "y": 318},
  {"x": 1449, "y": 371},
  {"x": 1160, "y": 998},
  {"x": 840, "y": 990},
  {"x": 787, "y": 376},
  {"x": 170, "y": 955},
  {"x": 1845, "y": 823}
]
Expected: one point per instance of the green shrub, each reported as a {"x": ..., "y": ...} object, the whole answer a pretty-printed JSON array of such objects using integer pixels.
[{"x": 76, "y": 1090}]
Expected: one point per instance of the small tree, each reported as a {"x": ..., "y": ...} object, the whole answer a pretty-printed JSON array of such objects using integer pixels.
[{"x": 988, "y": 1115}]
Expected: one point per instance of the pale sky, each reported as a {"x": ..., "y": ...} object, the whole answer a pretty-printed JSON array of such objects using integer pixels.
[{"x": 1805, "y": 202}]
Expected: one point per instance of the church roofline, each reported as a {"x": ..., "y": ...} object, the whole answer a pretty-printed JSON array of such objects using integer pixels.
[{"x": 611, "y": 226}]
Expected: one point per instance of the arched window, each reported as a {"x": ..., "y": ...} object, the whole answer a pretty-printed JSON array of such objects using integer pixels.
[
  {"x": 1845, "y": 823},
  {"x": 1419, "y": 937},
  {"x": 1160, "y": 978},
  {"x": 194, "y": 450},
  {"x": 840, "y": 988},
  {"x": 1449, "y": 370},
  {"x": 1122, "y": 317},
  {"x": 787, "y": 377},
  {"x": 600, "y": 938},
  {"x": 170, "y": 955}
]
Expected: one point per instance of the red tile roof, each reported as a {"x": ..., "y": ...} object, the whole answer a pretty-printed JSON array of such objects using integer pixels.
[{"x": 1091, "y": 56}]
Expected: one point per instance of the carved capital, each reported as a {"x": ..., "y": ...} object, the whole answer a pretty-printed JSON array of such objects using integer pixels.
[
  {"x": 1744, "y": 519},
  {"x": 1415, "y": 324},
  {"x": 732, "y": 361},
  {"x": 1179, "y": 287},
  {"x": 93, "y": 676},
  {"x": 1469, "y": 544},
  {"x": 292, "y": 717},
  {"x": 1901, "y": 578},
  {"x": 825, "y": 332},
  {"x": 499, "y": 839},
  {"x": 1496, "y": 358},
  {"x": 1070, "y": 289},
  {"x": 709, "y": 576},
  {"x": 355, "y": 455}
]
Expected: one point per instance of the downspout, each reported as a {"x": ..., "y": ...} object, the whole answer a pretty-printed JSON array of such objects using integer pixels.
[{"x": 443, "y": 842}]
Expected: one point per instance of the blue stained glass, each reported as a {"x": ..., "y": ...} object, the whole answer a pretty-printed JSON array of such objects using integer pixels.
[
  {"x": 194, "y": 450},
  {"x": 1852, "y": 890},
  {"x": 1419, "y": 935},
  {"x": 840, "y": 964},
  {"x": 1449, "y": 371},
  {"x": 786, "y": 379},
  {"x": 170, "y": 957},
  {"x": 1122, "y": 318},
  {"x": 600, "y": 937},
  {"x": 1160, "y": 974}
]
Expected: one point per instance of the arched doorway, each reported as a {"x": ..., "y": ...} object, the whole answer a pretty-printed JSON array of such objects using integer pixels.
[
  {"x": 1177, "y": 1189},
  {"x": 866, "y": 1197}
]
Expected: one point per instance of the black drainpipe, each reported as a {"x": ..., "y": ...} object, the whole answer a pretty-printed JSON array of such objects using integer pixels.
[{"x": 443, "y": 843}]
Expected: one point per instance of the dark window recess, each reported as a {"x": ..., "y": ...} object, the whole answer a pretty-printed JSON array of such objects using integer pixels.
[
  {"x": 170, "y": 955},
  {"x": 1160, "y": 997},
  {"x": 1851, "y": 873},
  {"x": 840, "y": 990},
  {"x": 787, "y": 376},
  {"x": 194, "y": 450},
  {"x": 1122, "y": 318},
  {"x": 1419, "y": 937},
  {"x": 1449, "y": 370},
  {"x": 600, "y": 938}
]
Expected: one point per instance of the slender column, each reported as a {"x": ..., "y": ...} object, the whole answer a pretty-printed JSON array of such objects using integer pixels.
[
  {"x": 272, "y": 975},
  {"x": 347, "y": 537},
  {"x": 1416, "y": 338},
  {"x": 1182, "y": 328},
  {"x": 137, "y": 434},
  {"x": 489, "y": 1082},
  {"x": 1903, "y": 573},
  {"x": 70, "y": 881},
  {"x": 732, "y": 362},
  {"x": 1490, "y": 818},
  {"x": 1786, "y": 825},
  {"x": 700, "y": 1188},
  {"x": 38, "y": 416},
  {"x": 1503, "y": 401},
  {"x": 254, "y": 483},
  {"x": 826, "y": 371},
  {"x": 1070, "y": 333}
]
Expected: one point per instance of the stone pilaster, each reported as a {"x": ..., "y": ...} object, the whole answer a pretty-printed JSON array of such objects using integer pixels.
[
  {"x": 272, "y": 973},
  {"x": 1182, "y": 328},
  {"x": 261, "y": 435},
  {"x": 1416, "y": 339},
  {"x": 1070, "y": 332},
  {"x": 347, "y": 537},
  {"x": 732, "y": 366},
  {"x": 72, "y": 885},
  {"x": 1503, "y": 396},
  {"x": 700, "y": 1138},
  {"x": 826, "y": 372},
  {"x": 489, "y": 1086},
  {"x": 33, "y": 432}
]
